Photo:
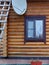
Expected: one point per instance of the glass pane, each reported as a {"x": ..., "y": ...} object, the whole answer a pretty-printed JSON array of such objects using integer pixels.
[
  {"x": 39, "y": 28},
  {"x": 30, "y": 34},
  {"x": 30, "y": 24}
]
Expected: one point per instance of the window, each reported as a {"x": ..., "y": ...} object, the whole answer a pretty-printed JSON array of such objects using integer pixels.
[{"x": 35, "y": 28}]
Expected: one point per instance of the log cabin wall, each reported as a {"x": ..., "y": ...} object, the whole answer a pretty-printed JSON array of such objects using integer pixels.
[{"x": 15, "y": 31}]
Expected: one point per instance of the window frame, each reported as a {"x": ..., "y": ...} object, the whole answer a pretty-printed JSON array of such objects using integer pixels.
[{"x": 44, "y": 28}]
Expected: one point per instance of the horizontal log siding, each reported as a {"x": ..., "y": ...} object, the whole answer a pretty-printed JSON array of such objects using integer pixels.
[{"x": 15, "y": 31}]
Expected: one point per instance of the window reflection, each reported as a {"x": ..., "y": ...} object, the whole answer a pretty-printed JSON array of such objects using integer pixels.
[
  {"x": 30, "y": 29},
  {"x": 39, "y": 28},
  {"x": 30, "y": 34},
  {"x": 30, "y": 24}
]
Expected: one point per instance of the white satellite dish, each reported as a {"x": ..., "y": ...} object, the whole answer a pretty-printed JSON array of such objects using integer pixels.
[{"x": 19, "y": 7}]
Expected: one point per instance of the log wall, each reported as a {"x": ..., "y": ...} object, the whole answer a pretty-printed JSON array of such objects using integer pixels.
[{"x": 15, "y": 31}]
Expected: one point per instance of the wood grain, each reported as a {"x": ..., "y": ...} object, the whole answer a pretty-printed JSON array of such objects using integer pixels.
[{"x": 16, "y": 46}]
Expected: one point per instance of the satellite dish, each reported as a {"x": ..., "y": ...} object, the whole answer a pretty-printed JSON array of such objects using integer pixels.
[{"x": 19, "y": 7}]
